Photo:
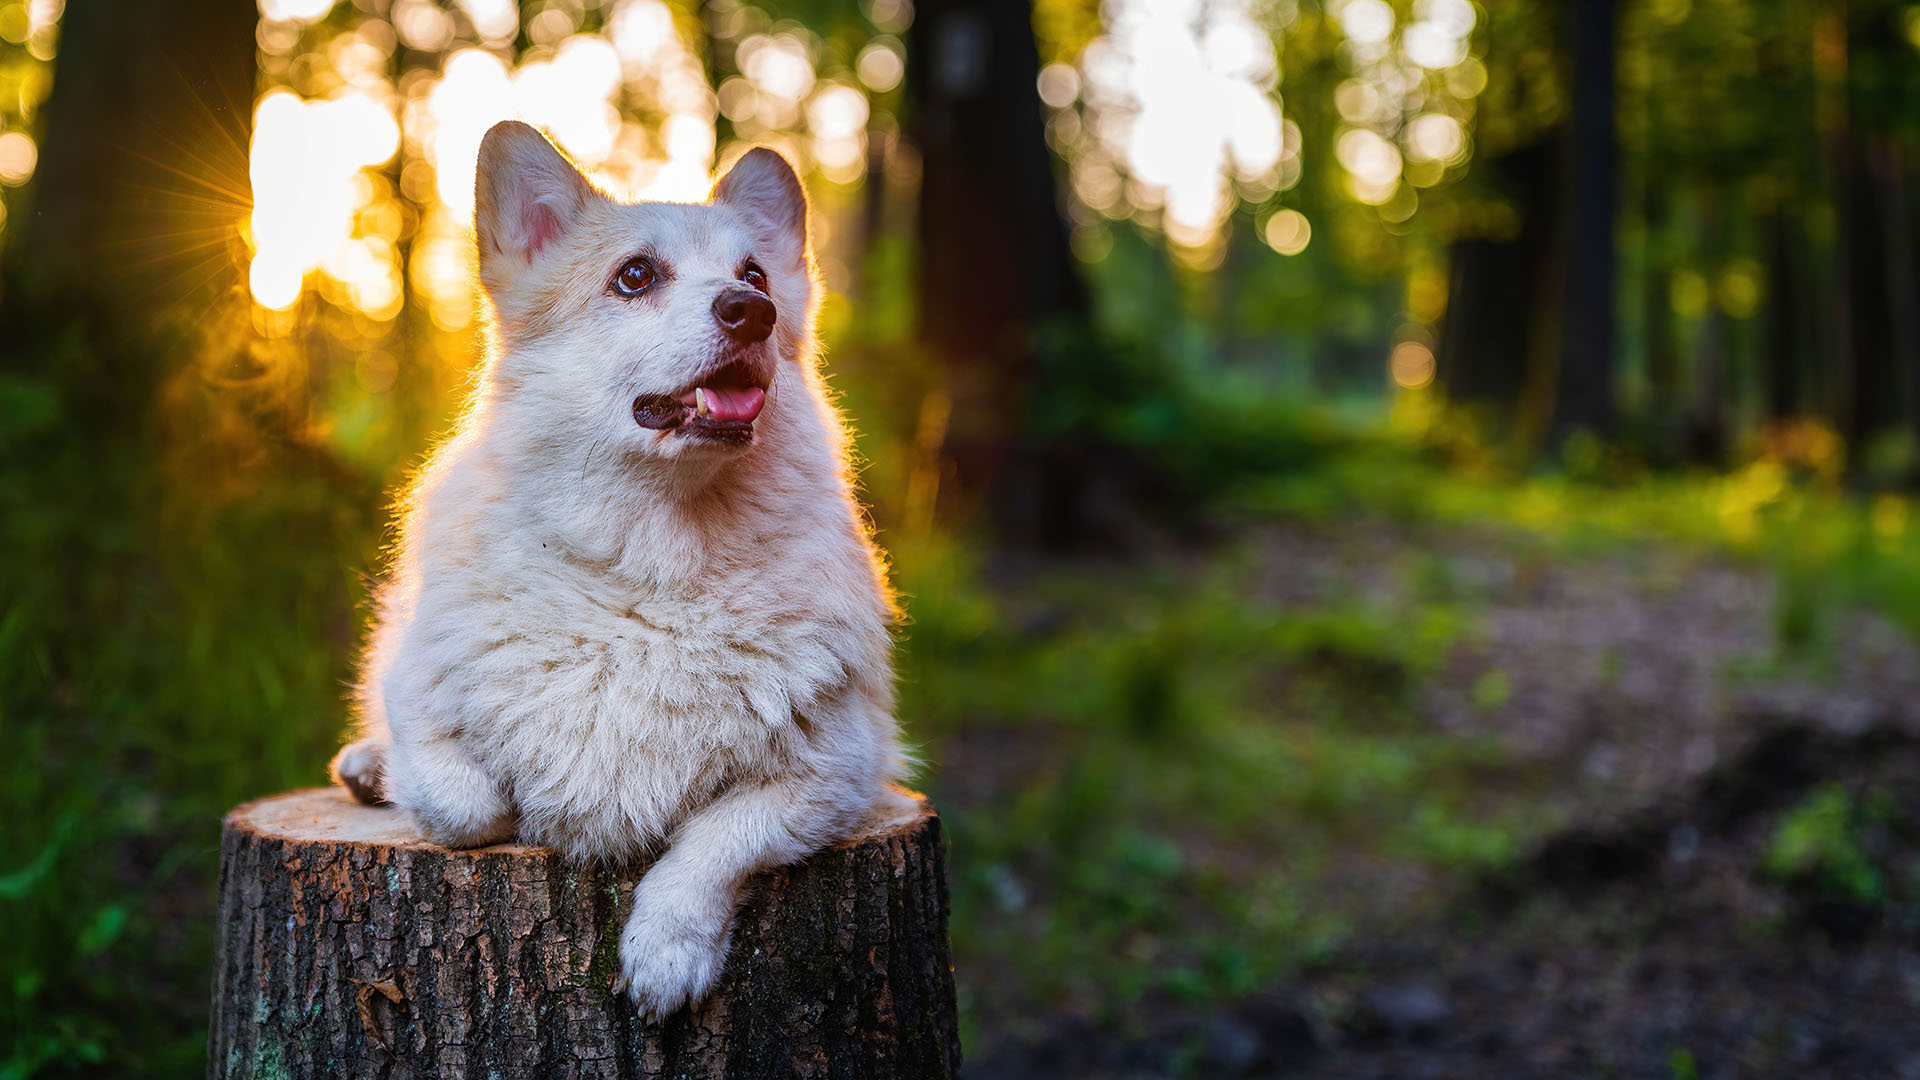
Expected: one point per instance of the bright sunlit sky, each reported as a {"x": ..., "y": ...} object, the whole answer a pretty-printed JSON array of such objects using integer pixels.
[{"x": 1171, "y": 117}]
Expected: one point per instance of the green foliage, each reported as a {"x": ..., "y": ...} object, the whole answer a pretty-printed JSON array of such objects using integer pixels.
[
  {"x": 1492, "y": 689},
  {"x": 1185, "y": 772},
  {"x": 1819, "y": 843},
  {"x": 1195, "y": 428},
  {"x": 1162, "y": 709},
  {"x": 164, "y": 653}
]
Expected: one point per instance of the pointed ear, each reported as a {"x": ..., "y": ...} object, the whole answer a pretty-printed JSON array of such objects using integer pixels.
[
  {"x": 526, "y": 195},
  {"x": 765, "y": 190}
]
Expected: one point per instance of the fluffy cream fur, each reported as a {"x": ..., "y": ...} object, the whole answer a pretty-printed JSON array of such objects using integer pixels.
[{"x": 610, "y": 639}]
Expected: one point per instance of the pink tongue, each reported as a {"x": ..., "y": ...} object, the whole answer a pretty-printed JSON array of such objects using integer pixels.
[{"x": 735, "y": 403}]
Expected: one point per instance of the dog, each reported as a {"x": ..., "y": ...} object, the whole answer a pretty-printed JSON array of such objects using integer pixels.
[{"x": 634, "y": 604}]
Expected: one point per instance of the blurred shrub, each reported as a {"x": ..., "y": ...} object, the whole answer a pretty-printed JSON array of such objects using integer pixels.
[
  {"x": 1819, "y": 843},
  {"x": 1189, "y": 426}
]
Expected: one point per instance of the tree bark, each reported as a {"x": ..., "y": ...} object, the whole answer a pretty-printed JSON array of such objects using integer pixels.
[
  {"x": 1585, "y": 398},
  {"x": 994, "y": 264},
  {"x": 1874, "y": 394},
  {"x": 1485, "y": 336},
  {"x": 143, "y": 175},
  {"x": 1789, "y": 335},
  {"x": 350, "y": 947}
]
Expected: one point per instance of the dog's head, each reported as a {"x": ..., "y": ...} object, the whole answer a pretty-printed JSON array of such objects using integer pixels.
[{"x": 656, "y": 330}]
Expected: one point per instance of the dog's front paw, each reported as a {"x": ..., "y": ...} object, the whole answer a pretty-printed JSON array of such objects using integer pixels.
[
  {"x": 361, "y": 768},
  {"x": 663, "y": 968}
]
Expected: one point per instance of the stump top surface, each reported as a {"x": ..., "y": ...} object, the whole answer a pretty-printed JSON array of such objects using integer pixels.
[{"x": 330, "y": 815}]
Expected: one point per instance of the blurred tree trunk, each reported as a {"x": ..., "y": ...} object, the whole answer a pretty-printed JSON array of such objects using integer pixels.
[
  {"x": 145, "y": 153},
  {"x": 1879, "y": 336},
  {"x": 1584, "y": 392},
  {"x": 993, "y": 258},
  {"x": 1663, "y": 355},
  {"x": 1888, "y": 167},
  {"x": 1873, "y": 387},
  {"x": 1707, "y": 435},
  {"x": 1495, "y": 281},
  {"x": 1784, "y": 385},
  {"x": 130, "y": 231}
]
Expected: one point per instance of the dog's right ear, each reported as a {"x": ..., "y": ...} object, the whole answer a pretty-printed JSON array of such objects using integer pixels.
[{"x": 526, "y": 195}]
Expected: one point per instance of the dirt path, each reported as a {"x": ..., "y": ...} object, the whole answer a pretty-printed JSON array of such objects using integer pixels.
[{"x": 1653, "y": 704}]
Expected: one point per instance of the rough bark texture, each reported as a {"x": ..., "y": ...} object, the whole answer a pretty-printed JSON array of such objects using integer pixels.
[{"x": 352, "y": 948}]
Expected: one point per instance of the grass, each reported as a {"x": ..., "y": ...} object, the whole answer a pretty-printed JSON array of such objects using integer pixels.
[
  {"x": 1182, "y": 765},
  {"x": 1160, "y": 783}
]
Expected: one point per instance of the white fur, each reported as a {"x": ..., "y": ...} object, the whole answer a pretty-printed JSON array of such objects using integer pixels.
[{"x": 606, "y": 638}]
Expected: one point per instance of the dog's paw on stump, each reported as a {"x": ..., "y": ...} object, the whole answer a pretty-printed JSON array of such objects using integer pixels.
[{"x": 349, "y": 946}]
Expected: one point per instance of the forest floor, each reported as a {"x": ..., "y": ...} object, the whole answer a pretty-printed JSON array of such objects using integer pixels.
[
  {"x": 1393, "y": 765},
  {"x": 1631, "y": 811}
]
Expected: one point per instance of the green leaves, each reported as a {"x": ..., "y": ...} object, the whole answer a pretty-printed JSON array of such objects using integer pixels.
[{"x": 1820, "y": 843}]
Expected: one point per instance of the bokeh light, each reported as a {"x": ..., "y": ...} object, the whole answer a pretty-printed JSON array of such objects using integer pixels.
[
  {"x": 1411, "y": 365},
  {"x": 356, "y": 166},
  {"x": 1403, "y": 108},
  {"x": 1288, "y": 232},
  {"x": 18, "y": 155},
  {"x": 1179, "y": 106},
  {"x": 307, "y": 166},
  {"x": 881, "y": 65}
]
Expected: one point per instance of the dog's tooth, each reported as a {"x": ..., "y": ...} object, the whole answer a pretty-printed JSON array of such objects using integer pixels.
[{"x": 700, "y": 406}]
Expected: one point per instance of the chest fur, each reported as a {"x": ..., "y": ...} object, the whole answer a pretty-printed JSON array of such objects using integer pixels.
[{"x": 608, "y": 717}]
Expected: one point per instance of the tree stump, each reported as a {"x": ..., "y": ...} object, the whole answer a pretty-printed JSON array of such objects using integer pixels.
[{"x": 351, "y": 947}]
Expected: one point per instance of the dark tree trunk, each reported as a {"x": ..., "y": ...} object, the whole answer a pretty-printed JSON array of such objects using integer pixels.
[
  {"x": 1707, "y": 428},
  {"x": 1888, "y": 167},
  {"x": 1874, "y": 385},
  {"x": 1875, "y": 264},
  {"x": 351, "y": 948},
  {"x": 143, "y": 174},
  {"x": 1707, "y": 415},
  {"x": 1788, "y": 329},
  {"x": 1584, "y": 391},
  {"x": 1483, "y": 342},
  {"x": 1663, "y": 352},
  {"x": 993, "y": 256},
  {"x": 1495, "y": 283}
]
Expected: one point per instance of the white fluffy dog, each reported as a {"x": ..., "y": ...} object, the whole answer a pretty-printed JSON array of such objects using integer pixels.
[{"x": 634, "y": 603}]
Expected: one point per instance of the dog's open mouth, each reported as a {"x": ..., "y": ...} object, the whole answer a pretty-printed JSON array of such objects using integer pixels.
[{"x": 723, "y": 406}]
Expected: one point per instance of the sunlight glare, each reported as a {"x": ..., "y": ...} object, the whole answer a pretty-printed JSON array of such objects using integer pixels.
[
  {"x": 422, "y": 25},
  {"x": 572, "y": 97},
  {"x": 306, "y": 168},
  {"x": 881, "y": 67},
  {"x": 1288, "y": 232},
  {"x": 1367, "y": 22},
  {"x": 1058, "y": 84},
  {"x": 1411, "y": 365},
  {"x": 496, "y": 21},
  {"x": 1372, "y": 164},
  {"x": 1431, "y": 45},
  {"x": 304, "y": 11},
  {"x": 1182, "y": 94},
  {"x": 473, "y": 94},
  {"x": 641, "y": 29},
  {"x": 1436, "y": 137},
  {"x": 837, "y": 119},
  {"x": 777, "y": 65},
  {"x": 18, "y": 156}
]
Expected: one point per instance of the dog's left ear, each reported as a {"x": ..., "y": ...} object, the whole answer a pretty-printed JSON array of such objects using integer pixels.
[{"x": 765, "y": 190}]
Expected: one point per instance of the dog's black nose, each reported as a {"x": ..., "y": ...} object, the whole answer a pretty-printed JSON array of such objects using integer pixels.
[{"x": 746, "y": 315}]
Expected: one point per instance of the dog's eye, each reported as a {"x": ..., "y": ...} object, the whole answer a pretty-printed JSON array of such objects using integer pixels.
[
  {"x": 754, "y": 276},
  {"x": 635, "y": 278}
]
